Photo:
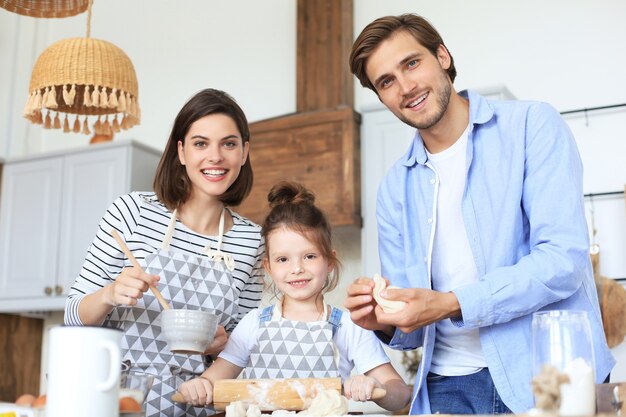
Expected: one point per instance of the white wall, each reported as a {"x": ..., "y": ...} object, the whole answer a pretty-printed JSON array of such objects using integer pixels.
[
  {"x": 244, "y": 47},
  {"x": 569, "y": 53}
]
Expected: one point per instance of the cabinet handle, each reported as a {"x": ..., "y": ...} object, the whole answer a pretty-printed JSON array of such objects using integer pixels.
[
  {"x": 48, "y": 290},
  {"x": 58, "y": 290}
]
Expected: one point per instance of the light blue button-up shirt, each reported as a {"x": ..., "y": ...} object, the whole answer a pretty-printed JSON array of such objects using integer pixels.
[{"x": 524, "y": 217}]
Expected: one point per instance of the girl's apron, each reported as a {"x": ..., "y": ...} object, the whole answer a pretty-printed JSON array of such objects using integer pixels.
[
  {"x": 187, "y": 281},
  {"x": 294, "y": 349}
]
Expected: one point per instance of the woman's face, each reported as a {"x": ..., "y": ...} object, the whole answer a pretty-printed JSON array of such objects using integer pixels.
[{"x": 213, "y": 152}]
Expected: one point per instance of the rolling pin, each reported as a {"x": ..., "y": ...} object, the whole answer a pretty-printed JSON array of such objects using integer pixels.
[{"x": 292, "y": 394}]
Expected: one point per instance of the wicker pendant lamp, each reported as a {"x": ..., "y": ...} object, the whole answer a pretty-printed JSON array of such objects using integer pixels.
[
  {"x": 80, "y": 77},
  {"x": 45, "y": 8}
]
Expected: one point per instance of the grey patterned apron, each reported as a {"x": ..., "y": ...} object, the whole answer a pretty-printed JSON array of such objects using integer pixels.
[
  {"x": 187, "y": 281},
  {"x": 294, "y": 349}
]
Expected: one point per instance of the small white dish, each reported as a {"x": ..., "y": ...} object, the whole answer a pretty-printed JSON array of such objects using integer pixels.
[{"x": 188, "y": 331}]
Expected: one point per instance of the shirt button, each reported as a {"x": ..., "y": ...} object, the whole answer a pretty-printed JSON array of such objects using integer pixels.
[
  {"x": 432, "y": 181},
  {"x": 425, "y": 259},
  {"x": 430, "y": 221}
]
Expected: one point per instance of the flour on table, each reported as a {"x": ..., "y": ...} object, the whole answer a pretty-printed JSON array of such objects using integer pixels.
[
  {"x": 327, "y": 403},
  {"x": 388, "y": 306},
  {"x": 236, "y": 409},
  {"x": 253, "y": 411}
]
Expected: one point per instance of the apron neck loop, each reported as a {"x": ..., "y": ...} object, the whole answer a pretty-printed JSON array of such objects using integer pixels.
[{"x": 218, "y": 255}]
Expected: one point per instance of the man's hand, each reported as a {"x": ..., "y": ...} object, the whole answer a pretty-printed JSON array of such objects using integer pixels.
[
  {"x": 361, "y": 304},
  {"x": 424, "y": 307}
]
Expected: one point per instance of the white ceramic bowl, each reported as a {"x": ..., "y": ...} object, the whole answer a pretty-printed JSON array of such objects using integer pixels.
[{"x": 188, "y": 331}]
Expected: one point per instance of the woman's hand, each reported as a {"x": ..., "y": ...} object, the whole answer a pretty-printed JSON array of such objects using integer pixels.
[
  {"x": 360, "y": 387},
  {"x": 197, "y": 391},
  {"x": 218, "y": 343},
  {"x": 129, "y": 286}
]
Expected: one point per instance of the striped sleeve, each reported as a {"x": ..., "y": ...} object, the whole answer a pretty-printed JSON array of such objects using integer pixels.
[{"x": 104, "y": 259}]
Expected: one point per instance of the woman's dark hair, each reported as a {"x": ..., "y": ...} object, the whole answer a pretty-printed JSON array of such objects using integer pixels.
[
  {"x": 171, "y": 182},
  {"x": 382, "y": 29},
  {"x": 293, "y": 207}
]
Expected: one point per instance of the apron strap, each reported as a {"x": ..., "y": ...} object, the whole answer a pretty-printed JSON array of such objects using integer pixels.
[
  {"x": 165, "y": 245},
  {"x": 335, "y": 319},
  {"x": 218, "y": 255},
  {"x": 266, "y": 314}
]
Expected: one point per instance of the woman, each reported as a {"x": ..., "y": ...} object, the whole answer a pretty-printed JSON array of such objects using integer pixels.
[{"x": 193, "y": 248}]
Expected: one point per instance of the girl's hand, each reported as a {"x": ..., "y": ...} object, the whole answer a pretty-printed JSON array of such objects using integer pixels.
[
  {"x": 218, "y": 343},
  {"x": 197, "y": 391},
  {"x": 360, "y": 387},
  {"x": 129, "y": 286}
]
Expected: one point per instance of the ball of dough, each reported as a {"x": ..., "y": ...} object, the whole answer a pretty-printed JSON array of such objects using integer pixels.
[
  {"x": 388, "y": 306},
  {"x": 327, "y": 403}
]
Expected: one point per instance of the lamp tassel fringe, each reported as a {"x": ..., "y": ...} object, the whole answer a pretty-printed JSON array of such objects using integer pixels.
[{"x": 101, "y": 101}]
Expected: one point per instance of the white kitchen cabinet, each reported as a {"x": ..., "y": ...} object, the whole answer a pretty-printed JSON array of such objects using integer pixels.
[
  {"x": 50, "y": 206},
  {"x": 384, "y": 139}
]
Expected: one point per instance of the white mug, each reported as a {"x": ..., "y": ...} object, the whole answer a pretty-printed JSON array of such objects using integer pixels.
[{"x": 83, "y": 372}]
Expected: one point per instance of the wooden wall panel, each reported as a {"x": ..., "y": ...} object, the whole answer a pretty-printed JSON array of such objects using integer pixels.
[
  {"x": 20, "y": 355},
  {"x": 318, "y": 149}
]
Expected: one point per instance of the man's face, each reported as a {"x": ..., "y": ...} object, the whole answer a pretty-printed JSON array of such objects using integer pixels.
[{"x": 410, "y": 80}]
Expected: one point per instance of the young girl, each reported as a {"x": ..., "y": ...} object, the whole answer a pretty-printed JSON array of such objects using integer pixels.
[
  {"x": 299, "y": 335},
  {"x": 185, "y": 222}
]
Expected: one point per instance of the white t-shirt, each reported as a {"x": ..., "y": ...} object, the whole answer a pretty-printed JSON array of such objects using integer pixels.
[
  {"x": 358, "y": 348},
  {"x": 457, "y": 350}
]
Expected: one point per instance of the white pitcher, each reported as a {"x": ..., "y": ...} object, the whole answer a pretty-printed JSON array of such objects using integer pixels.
[{"x": 83, "y": 372}]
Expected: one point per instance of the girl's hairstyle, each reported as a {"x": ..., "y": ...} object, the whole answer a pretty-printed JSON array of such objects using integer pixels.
[
  {"x": 171, "y": 182},
  {"x": 384, "y": 28},
  {"x": 293, "y": 207}
]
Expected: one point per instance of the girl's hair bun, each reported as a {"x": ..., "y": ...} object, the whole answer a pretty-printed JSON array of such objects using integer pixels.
[{"x": 286, "y": 192}]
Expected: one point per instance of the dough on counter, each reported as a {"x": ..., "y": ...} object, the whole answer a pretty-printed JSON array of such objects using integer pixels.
[
  {"x": 388, "y": 306},
  {"x": 235, "y": 409},
  {"x": 283, "y": 413},
  {"x": 327, "y": 403},
  {"x": 253, "y": 411}
]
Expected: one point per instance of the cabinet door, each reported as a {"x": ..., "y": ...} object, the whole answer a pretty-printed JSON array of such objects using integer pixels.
[
  {"x": 384, "y": 139},
  {"x": 29, "y": 227},
  {"x": 91, "y": 181}
]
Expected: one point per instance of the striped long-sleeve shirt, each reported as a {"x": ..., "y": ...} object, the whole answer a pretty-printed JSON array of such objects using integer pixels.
[{"x": 142, "y": 221}]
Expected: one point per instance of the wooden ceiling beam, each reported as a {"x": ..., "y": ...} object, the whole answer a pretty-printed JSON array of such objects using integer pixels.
[{"x": 324, "y": 39}]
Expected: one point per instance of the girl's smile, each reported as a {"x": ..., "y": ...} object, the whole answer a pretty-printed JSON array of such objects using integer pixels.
[{"x": 297, "y": 267}]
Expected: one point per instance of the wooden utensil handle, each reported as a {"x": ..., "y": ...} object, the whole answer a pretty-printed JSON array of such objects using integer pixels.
[
  {"x": 378, "y": 393},
  {"x": 133, "y": 261},
  {"x": 177, "y": 397}
]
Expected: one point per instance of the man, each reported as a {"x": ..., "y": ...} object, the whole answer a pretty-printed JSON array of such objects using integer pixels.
[{"x": 481, "y": 223}]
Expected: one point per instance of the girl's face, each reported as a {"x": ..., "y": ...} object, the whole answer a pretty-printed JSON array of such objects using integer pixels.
[
  {"x": 296, "y": 265},
  {"x": 213, "y": 153}
]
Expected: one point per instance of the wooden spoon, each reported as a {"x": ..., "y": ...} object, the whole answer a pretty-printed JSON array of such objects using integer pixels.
[{"x": 133, "y": 261}]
